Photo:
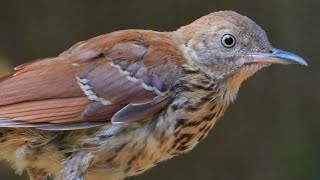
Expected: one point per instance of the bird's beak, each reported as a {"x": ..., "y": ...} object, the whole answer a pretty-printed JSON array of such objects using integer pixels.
[{"x": 276, "y": 56}]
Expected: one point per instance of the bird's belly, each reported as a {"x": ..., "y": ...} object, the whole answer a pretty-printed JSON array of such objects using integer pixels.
[
  {"x": 133, "y": 160},
  {"x": 139, "y": 156}
]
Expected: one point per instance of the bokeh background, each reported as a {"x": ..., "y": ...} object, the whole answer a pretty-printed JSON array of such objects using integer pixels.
[{"x": 272, "y": 132}]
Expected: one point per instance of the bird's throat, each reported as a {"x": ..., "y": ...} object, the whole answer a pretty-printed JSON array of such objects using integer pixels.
[{"x": 233, "y": 82}]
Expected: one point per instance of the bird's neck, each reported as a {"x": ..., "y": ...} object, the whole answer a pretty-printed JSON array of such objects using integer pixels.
[{"x": 196, "y": 108}]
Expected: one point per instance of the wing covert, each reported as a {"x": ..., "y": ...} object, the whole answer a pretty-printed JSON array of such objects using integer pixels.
[{"x": 122, "y": 76}]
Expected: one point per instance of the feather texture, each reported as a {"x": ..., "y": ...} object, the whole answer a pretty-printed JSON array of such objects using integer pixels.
[{"x": 129, "y": 73}]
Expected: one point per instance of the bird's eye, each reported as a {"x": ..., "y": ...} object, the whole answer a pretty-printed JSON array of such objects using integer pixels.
[{"x": 228, "y": 41}]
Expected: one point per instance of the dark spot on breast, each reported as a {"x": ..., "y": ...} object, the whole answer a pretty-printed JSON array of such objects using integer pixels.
[
  {"x": 177, "y": 132},
  {"x": 184, "y": 138},
  {"x": 120, "y": 147},
  {"x": 68, "y": 154},
  {"x": 205, "y": 98},
  {"x": 213, "y": 107},
  {"x": 131, "y": 160},
  {"x": 209, "y": 117},
  {"x": 193, "y": 123},
  {"x": 190, "y": 71},
  {"x": 179, "y": 105},
  {"x": 204, "y": 87},
  {"x": 207, "y": 129},
  {"x": 174, "y": 107},
  {"x": 197, "y": 86},
  {"x": 33, "y": 143},
  {"x": 204, "y": 81},
  {"x": 180, "y": 122},
  {"x": 202, "y": 137},
  {"x": 201, "y": 103},
  {"x": 220, "y": 110},
  {"x": 3, "y": 140},
  {"x": 162, "y": 137},
  {"x": 153, "y": 126},
  {"x": 129, "y": 165},
  {"x": 192, "y": 108},
  {"x": 203, "y": 128},
  {"x": 134, "y": 145},
  {"x": 182, "y": 148},
  {"x": 111, "y": 158},
  {"x": 224, "y": 95},
  {"x": 103, "y": 137},
  {"x": 87, "y": 144},
  {"x": 187, "y": 89},
  {"x": 213, "y": 99}
]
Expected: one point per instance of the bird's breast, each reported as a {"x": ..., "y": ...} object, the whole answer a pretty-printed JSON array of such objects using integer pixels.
[
  {"x": 193, "y": 124},
  {"x": 176, "y": 130}
]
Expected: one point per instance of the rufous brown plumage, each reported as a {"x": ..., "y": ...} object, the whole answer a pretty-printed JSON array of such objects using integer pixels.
[{"x": 118, "y": 104}]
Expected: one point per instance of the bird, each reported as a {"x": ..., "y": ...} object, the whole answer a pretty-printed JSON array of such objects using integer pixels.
[{"x": 119, "y": 104}]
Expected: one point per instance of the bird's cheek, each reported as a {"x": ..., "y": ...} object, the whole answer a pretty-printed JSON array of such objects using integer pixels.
[
  {"x": 201, "y": 55},
  {"x": 241, "y": 60}
]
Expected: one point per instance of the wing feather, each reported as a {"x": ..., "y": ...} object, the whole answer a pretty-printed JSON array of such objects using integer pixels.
[{"x": 123, "y": 76}]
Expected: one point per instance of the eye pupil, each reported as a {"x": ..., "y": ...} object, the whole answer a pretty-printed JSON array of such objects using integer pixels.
[{"x": 228, "y": 41}]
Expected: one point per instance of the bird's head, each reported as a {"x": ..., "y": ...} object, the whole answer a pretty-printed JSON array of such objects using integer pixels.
[{"x": 230, "y": 47}]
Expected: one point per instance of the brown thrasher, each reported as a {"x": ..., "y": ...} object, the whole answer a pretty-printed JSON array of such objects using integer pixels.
[{"x": 118, "y": 104}]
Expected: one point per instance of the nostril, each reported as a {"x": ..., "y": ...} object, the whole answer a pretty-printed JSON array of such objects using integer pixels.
[{"x": 271, "y": 51}]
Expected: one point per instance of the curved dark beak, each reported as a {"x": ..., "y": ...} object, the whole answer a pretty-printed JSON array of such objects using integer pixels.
[{"x": 276, "y": 56}]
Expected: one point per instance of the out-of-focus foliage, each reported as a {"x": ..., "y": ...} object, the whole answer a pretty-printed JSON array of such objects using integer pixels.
[
  {"x": 5, "y": 67},
  {"x": 273, "y": 129}
]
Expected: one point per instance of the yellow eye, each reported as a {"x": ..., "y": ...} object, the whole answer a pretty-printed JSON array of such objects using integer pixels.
[{"x": 228, "y": 41}]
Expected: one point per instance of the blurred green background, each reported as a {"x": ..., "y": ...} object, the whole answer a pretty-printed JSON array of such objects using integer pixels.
[{"x": 273, "y": 129}]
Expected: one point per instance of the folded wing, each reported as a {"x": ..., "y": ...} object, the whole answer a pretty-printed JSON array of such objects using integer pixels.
[{"x": 120, "y": 77}]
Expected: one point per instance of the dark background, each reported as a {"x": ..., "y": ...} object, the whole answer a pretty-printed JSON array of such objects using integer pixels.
[{"x": 271, "y": 132}]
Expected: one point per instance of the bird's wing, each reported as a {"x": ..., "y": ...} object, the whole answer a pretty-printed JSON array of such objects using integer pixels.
[{"x": 119, "y": 77}]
